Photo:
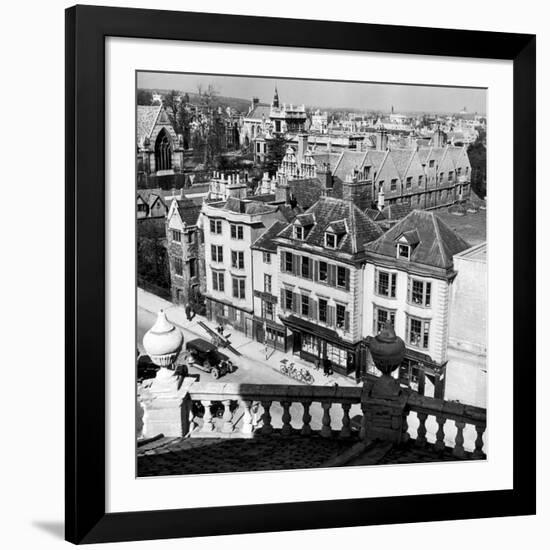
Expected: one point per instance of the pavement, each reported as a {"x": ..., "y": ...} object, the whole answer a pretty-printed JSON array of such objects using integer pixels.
[{"x": 253, "y": 366}]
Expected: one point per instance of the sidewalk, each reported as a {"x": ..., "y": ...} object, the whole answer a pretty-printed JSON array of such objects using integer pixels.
[{"x": 250, "y": 349}]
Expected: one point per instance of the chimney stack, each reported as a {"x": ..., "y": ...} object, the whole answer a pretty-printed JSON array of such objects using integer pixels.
[
  {"x": 381, "y": 139},
  {"x": 356, "y": 192},
  {"x": 381, "y": 199}
]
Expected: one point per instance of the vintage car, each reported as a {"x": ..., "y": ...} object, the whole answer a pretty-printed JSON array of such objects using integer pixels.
[{"x": 205, "y": 356}]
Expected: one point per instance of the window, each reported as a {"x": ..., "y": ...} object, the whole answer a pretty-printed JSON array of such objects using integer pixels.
[
  {"x": 288, "y": 300},
  {"x": 289, "y": 264},
  {"x": 267, "y": 310},
  {"x": 366, "y": 172},
  {"x": 420, "y": 180},
  {"x": 192, "y": 267},
  {"x": 267, "y": 283},
  {"x": 450, "y": 177},
  {"x": 381, "y": 317},
  {"x": 330, "y": 240},
  {"x": 323, "y": 272},
  {"x": 310, "y": 344},
  {"x": 266, "y": 256},
  {"x": 409, "y": 182},
  {"x": 306, "y": 267},
  {"x": 237, "y": 259},
  {"x": 342, "y": 277},
  {"x": 441, "y": 177},
  {"x": 216, "y": 227},
  {"x": 178, "y": 266},
  {"x": 403, "y": 251},
  {"x": 340, "y": 316},
  {"x": 323, "y": 310},
  {"x": 299, "y": 232},
  {"x": 238, "y": 288},
  {"x": 237, "y": 232},
  {"x": 336, "y": 355},
  {"x": 142, "y": 207},
  {"x": 217, "y": 253},
  {"x": 459, "y": 171},
  {"x": 190, "y": 237},
  {"x": 218, "y": 281},
  {"x": 419, "y": 292},
  {"x": 393, "y": 184},
  {"x": 418, "y": 332},
  {"x": 432, "y": 163},
  {"x": 385, "y": 283},
  {"x": 176, "y": 235}
]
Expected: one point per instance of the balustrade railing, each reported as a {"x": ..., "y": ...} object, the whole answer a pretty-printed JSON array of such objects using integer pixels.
[{"x": 246, "y": 410}]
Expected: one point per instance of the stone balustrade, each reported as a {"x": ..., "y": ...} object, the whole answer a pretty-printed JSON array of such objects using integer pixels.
[{"x": 246, "y": 410}]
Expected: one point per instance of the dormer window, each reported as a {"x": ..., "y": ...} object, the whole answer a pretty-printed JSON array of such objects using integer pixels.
[
  {"x": 404, "y": 251},
  {"x": 330, "y": 240},
  {"x": 299, "y": 233}
]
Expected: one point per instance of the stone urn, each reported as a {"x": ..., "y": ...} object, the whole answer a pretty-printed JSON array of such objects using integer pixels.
[
  {"x": 163, "y": 341},
  {"x": 387, "y": 350}
]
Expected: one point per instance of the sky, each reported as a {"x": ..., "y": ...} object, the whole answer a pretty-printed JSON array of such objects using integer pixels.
[{"x": 322, "y": 93}]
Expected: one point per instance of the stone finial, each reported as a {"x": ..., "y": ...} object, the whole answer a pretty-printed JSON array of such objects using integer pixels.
[{"x": 163, "y": 341}]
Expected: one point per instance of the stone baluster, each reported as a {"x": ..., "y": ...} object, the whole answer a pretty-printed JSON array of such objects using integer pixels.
[
  {"x": 440, "y": 435},
  {"x": 326, "y": 430},
  {"x": 346, "y": 429},
  {"x": 267, "y": 428},
  {"x": 247, "y": 427},
  {"x": 405, "y": 427},
  {"x": 306, "y": 418},
  {"x": 364, "y": 421},
  {"x": 421, "y": 434},
  {"x": 207, "y": 424},
  {"x": 478, "y": 451},
  {"x": 227, "y": 426},
  {"x": 287, "y": 428},
  {"x": 458, "y": 451}
]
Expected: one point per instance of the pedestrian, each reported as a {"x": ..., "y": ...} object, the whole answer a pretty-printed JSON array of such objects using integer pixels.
[
  {"x": 188, "y": 312},
  {"x": 326, "y": 367}
]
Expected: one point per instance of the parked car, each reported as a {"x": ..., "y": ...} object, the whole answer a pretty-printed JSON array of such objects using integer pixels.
[{"x": 205, "y": 356}]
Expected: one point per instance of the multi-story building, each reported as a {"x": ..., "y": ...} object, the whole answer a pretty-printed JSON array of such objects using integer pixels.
[
  {"x": 321, "y": 259},
  {"x": 467, "y": 348},
  {"x": 185, "y": 255},
  {"x": 408, "y": 281},
  {"x": 230, "y": 228}
]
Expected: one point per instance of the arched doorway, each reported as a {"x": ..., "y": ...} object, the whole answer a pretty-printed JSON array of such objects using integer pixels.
[{"x": 163, "y": 151}]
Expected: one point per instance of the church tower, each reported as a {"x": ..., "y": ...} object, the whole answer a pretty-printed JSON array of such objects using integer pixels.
[{"x": 275, "y": 99}]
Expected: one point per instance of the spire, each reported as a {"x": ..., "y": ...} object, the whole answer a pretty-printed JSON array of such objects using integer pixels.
[{"x": 276, "y": 98}]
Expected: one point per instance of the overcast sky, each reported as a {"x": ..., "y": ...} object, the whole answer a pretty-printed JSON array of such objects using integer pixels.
[{"x": 355, "y": 95}]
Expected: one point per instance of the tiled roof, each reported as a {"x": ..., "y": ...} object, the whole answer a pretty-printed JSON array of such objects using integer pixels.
[
  {"x": 349, "y": 160},
  {"x": 306, "y": 191},
  {"x": 394, "y": 212},
  {"x": 437, "y": 242},
  {"x": 261, "y": 110},
  {"x": 374, "y": 158},
  {"x": 401, "y": 158},
  {"x": 374, "y": 215},
  {"x": 361, "y": 229},
  {"x": 188, "y": 211},
  {"x": 146, "y": 118},
  {"x": 265, "y": 240},
  {"x": 247, "y": 206}
]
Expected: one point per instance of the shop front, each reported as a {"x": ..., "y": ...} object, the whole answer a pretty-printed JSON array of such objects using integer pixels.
[
  {"x": 322, "y": 346},
  {"x": 270, "y": 333}
]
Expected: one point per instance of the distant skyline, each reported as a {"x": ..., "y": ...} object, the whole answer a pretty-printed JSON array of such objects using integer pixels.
[{"x": 327, "y": 94}]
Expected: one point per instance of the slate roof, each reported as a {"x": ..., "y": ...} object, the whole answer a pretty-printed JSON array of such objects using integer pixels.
[
  {"x": 394, "y": 212},
  {"x": 306, "y": 191},
  {"x": 189, "y": 211},
  {"x": 374, "y": 215},
  {"x": 146, "y": 118},
  {"x": 360, "y": 228},
  {"x": 266, "y": 240},
  {"x": 437, "y": 242},
  {"x": 246, "y": 206},
  {"x": 401, "y": 158},
  {"x": 261, "y": 110},
  {"x": 349, "y": 160}
]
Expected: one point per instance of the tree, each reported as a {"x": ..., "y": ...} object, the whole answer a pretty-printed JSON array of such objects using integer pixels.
[
  {"x": 477, "y": 153},
  {"x": 276, "y": 150},
  {"x": 144, "y": 97}
]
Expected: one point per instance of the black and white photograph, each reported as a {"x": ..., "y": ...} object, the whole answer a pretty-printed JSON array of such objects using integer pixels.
[{"x": 311, "y": 266}]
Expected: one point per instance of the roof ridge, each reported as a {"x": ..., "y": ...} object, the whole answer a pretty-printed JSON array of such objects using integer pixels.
[{"x": 435, "y": 221}]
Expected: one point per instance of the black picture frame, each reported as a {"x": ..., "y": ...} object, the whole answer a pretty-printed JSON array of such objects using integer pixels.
[{"x": 86, "y": 30}]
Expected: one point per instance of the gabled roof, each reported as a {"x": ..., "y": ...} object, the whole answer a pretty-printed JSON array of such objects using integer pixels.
[
  {"x": 402, "y": 159},
  {"x": 188, "y": 211},
  {"x": 305, "y": 220},
  {"x": 306, "y": 191},
  {"x": 394, "y": 212},
  {"x": 326, "y": 211},
  {"x": 374, "y": 215},
  {"x": 338, "y": 227},
  {"x": 261, "y": 110},
  {"x": 437, "y": 242},
  {"x": 348, "y": 161},
  {"x": 266, "y": 240},
  {"x": 146, "y": 119}
]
